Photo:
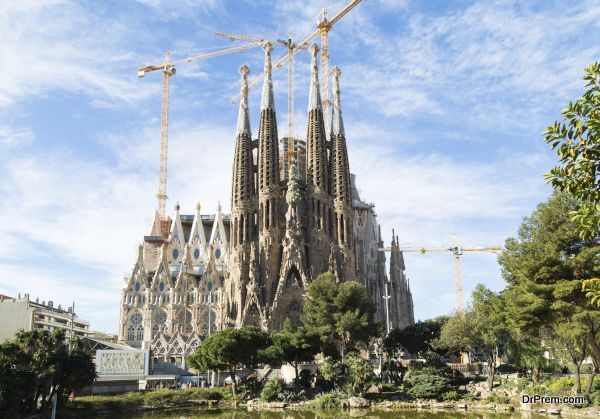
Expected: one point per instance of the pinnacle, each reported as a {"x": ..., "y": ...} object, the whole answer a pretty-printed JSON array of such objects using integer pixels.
[
  {"x": 314, "y": 99},
  {"x": 243, "y": 125},
  {"x": 337, "y": 122},
  {"x": 268, "y": 102}
]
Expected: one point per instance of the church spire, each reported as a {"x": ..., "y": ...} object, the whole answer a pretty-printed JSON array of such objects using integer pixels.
[
  {"x": 337, "y": 122},
  {"x": 340, "y": 167},
  {"x": 314, "y": 97},
  {"x": 243, "y": 176},
  {"x": 316, "y": 147},
  {"x": 243, "y": 125},
  {"x": 267, "y": 101},
  {"x": 268, "y": 145}
]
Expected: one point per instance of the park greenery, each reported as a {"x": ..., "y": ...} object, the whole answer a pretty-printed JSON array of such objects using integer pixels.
[{"x": 37, "y": 365}]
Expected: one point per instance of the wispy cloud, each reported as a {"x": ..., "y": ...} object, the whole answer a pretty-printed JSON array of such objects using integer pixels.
[{"x": 11, "y": 137}]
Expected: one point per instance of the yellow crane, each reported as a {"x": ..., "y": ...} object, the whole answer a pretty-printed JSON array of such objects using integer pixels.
[
  {"x": 168, "y": 70},
  {"x": 457, "y": 252},
  {"x": 323, "y": 27}
]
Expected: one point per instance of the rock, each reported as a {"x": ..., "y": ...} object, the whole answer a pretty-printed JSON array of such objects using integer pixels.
[
  {"x": 554, "y": 411},
  {"x": 277, "y": 405},
  {"x": 357, "y": 402}
]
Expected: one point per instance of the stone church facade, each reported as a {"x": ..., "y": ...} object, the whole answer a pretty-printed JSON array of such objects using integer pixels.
[{"x": 295, "y": 214}]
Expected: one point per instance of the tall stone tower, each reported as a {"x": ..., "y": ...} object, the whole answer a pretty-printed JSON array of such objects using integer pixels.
[
  {"x": 245, "y": 295},
  {"x": 340, "y": 185},
  {"x": 269, "y": 190},
  {"x": 319, "y": 204}
]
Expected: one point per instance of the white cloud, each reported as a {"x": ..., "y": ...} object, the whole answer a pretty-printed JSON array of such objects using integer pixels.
[
  {"x": 61, "y": 46},
  {"x": 15, "y": 137}
]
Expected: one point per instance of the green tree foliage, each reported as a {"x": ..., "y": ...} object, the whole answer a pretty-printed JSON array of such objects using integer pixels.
[
  {"x": 293, "y": 345},
  {"x": 428, "y": 380},
  {"x": 416, "y": 339},
  {"x": 355, "y": 377},
  {"x": 359, "y": 375},
  {"x": 229, "y": 349},
  {"x": 273, "y": 390},
  {"x": 482, "y": 328},
  {"x": 577, "y": 142},
  {"x": 338, "y": 312},
  {"x": 545, "y": 267},
  {"x": 35, "y": 365}
]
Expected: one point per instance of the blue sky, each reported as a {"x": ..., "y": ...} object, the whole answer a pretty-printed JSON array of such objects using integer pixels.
[{"x": 444, "y": 103}]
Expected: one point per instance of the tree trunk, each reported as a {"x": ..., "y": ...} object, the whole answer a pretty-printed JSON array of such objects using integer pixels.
[
  {"x": 577, "y": 385},
  {"x": 535, "y": 374},
  {"x": 491, "y": 371},
  {"x": 591, "y": 337},
  {"x": 233, "y": 381},
  {"x": 297, "y": 379},
  {"x": 490, "y": 376},
  {"x": 588, "y": 389}
]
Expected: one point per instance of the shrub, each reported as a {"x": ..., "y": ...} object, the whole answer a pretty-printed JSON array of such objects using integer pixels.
[
  {"x": 388, "y": 387},
  {"x": 449, "y": 396},
  {"x": 359, "y": 375},
  {"x": 498, "y": 398},
  {"x": 273, "y": 390},
  {"x": 326, "y": 401},
  {"x": 304, "y": 378},
  {"x": 209, "y": 393},
  {"x": 561, "y": 385},
  {"x": 427, "y": 386}
]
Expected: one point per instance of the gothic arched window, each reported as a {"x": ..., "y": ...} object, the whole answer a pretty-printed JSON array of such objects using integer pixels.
[{"x": 135, "y": 329}]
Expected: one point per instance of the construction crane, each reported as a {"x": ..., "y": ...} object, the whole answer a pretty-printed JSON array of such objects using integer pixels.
[
  {"x": 323, "y": 28},
  {"x": 168, "y": 70},
  {"x": 457, "y": 252}
]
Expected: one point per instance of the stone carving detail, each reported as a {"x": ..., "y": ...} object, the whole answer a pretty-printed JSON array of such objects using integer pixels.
[{"x": 120, "y": 362}]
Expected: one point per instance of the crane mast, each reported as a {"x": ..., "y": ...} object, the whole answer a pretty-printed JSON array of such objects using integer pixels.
[{"x": 168, "y": 70}]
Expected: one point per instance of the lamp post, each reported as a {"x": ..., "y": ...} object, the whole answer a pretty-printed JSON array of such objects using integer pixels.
[{"x": 386, "y": 297}]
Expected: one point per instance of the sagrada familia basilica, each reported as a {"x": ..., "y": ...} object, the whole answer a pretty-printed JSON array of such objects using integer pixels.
[{"x": 295, "y": 214}]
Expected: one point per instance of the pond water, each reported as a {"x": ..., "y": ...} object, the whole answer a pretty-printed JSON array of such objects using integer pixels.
[{"x": 309, "y": 414}]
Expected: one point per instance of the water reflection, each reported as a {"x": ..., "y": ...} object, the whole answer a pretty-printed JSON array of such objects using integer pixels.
[{"x": 309, "y": 414}]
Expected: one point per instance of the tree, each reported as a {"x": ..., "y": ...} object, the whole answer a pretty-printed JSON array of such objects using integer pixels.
[
  {"x": 338, "y": 312},
  {"x": 354, "y": 314},
  {"x": 317, "y": 313},
  {"x": 359, "y": 375},
  {"x": 228, "y": 349},
  {"x": 293, "y": 345},
  {"x": 35, "y": 365},
  {"x": 481, "y": 328},
  {"x": 545, "y": 267},
  {"x": 577, "y": 142},
  {"x": 570, "y": 344},
  {"x": 416, "y": 339}
]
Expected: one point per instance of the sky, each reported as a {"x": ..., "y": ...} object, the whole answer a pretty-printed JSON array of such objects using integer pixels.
[{"x": 444, "y": 104}]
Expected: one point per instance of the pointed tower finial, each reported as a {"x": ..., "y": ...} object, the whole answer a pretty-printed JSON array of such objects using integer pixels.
[
  {"x": 219, "y": 207},
  {"x": 337, "y": 122},
  {"x": 393, "y": 237},
  {"x": 314, "y": 98},
  {"x": 268, "y": 101},
  {"x": 177, "y": 207},
  {"x": 379, "y": 232},
  {"x": 198, "y": 206},
  {"x": 243, "y": 125}
]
